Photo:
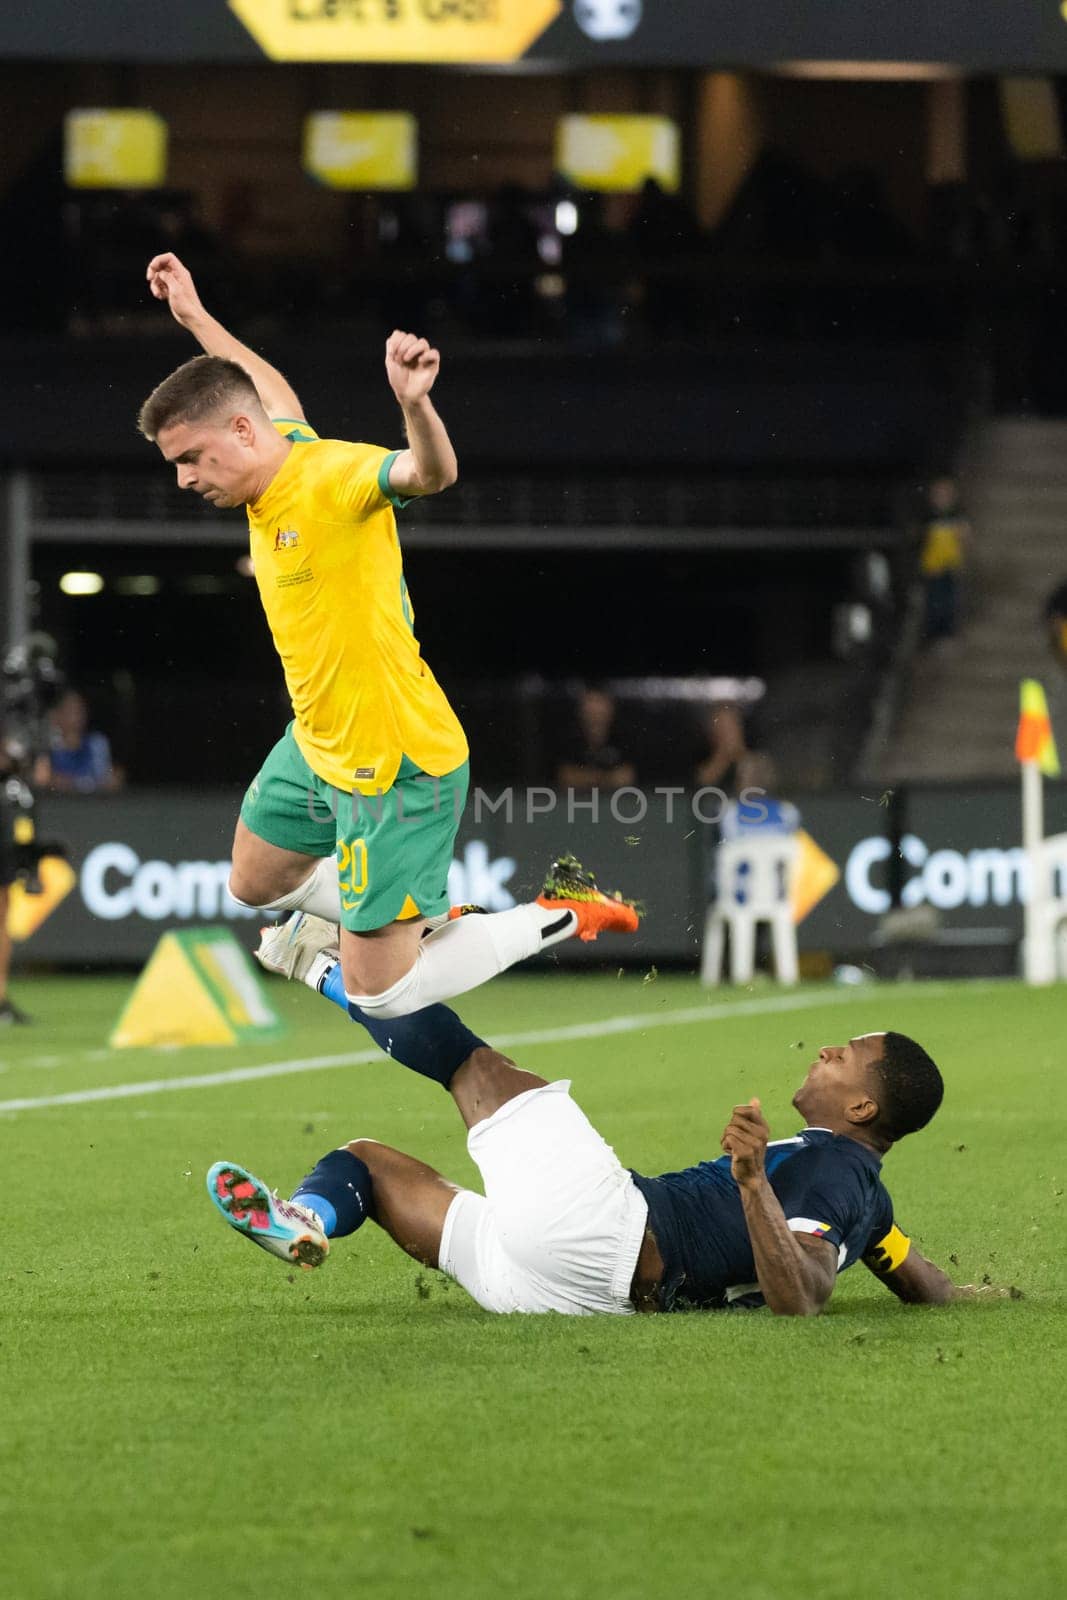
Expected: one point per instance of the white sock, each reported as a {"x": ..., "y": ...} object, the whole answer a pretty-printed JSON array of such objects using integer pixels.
[
  {"x": 320, "y": 893},
  {"x": 467, "y": 953}
]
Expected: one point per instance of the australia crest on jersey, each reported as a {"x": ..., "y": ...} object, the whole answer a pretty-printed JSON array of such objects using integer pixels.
[{"x": 286, "y": 539}]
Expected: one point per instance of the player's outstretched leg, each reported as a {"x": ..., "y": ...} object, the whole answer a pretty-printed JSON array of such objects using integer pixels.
[
  {"x": 363, "y": 1180},
  {"x": 331, "y": 1202},
  {"x": 466, "y": 952}
]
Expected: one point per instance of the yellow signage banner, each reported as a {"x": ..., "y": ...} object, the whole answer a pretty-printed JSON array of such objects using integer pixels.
[
  {"x": 114, "y": 149},
  {"x": 814, "y": 875},
  {"x": 26, "y": 912},
  {"x": 362, "y": 149},
  {"x": 396, "y": 30},
  {"x": 609, "y": 152},
  {"x": 1031, "y": 116}
]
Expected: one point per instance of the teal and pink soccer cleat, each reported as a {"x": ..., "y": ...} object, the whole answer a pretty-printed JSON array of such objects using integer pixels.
[{"x": 284, "y": 1227}]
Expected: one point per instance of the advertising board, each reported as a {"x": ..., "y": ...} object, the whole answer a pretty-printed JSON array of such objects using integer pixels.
[
  {"x": 143, "y": 863},
  {"x": 980, "y": 34}
]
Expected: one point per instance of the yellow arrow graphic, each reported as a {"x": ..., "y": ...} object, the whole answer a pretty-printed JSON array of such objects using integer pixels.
[
  {"x": 396, "y": 30},
  {"x": 814, "y": 875},
  {"x": 25, "y": 911}
]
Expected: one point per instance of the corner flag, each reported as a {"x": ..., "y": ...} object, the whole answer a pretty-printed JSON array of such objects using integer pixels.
[{"x": 1034, "y": 740}]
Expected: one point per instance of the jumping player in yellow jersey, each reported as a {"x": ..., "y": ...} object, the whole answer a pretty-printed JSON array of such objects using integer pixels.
[{"x": 352, "y": 818}]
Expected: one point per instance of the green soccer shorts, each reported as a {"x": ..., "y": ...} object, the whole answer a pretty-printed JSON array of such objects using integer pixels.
[{"x": 393, "y": 849}]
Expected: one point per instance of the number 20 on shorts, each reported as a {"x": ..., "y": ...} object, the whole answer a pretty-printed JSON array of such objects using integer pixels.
[{"x": 351, "y": 870}]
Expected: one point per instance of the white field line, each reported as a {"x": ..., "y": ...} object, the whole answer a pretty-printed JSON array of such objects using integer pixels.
[
  {"x": 577, "y": 1030},
  {"x": 65, "y": 1060}
]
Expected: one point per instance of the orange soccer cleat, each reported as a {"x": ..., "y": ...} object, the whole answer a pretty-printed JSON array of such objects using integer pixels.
[{"x": 568, "y": 884}]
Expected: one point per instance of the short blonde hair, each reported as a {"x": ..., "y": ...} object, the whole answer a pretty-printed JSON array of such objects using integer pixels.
[{"x": 207, "y": 386}]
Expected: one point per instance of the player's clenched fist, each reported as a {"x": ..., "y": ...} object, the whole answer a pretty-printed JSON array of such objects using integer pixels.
[
  {"x": 411, "y": 365},
  {"x": 745, "y": 1139},
  {"x": 170, "y": 280}
]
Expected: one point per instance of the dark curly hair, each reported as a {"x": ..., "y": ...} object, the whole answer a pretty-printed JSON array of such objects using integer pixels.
[{"x": 909, "y": 1086}]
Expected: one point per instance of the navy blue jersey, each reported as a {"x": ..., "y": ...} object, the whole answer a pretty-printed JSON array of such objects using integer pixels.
[{"x": 827, "y": 1185}]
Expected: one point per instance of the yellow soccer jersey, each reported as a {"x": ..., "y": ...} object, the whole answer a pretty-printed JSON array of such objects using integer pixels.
[
  {"x": 328, "y": 566},
  {"x": 942, "y": 549}
]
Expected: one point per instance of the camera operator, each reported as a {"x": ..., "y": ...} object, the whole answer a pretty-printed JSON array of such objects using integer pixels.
[
  {"x": 30, "y": 684},
  {"x": 9, "y": 1012}
]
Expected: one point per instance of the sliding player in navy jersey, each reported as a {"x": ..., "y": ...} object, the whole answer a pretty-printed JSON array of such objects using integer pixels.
[{"x": 564, "y": 1226}]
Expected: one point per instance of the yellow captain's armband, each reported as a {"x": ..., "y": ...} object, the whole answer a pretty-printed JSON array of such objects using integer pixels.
[{"x": 889, "y": 1253}]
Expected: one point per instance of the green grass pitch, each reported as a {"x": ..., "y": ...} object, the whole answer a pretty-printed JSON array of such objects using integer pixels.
[{"x": 180, "y": 1416}]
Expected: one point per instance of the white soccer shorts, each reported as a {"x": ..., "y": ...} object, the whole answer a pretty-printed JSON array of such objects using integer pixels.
[{"x": 561, "y": 1222}]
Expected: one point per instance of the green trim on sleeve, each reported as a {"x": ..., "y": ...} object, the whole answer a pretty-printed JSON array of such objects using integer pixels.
[
  {"x": 384, "y": 485},
  {"x": 295, "y": 429}
]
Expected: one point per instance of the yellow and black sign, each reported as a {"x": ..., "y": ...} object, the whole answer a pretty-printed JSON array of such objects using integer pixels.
[
  {"x": 26, "y": 912},
  {"x": 618, "y": 152},
  {"x": 362, "y": 149},
  {"x": 814, "y": 875},
  {"x": 983, "y": 35},
  {"x": 396, "y": 30},
  {"x": 114, "y": 149}
]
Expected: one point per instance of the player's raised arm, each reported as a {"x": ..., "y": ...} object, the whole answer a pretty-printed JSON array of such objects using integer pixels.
[
  {"x": 796, "y": 1271},
  {"x": 170, "y": 280},
  {"x": 895, "y": 1262},
  {"x": 429, "y": 463}
]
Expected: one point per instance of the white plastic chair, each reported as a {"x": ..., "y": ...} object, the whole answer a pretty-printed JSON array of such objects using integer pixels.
[
  {"x": 755, "y": 874},
  {"x": 1046, "y": 914}
]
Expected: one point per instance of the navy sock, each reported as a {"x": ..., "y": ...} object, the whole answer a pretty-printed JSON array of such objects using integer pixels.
[
  {"x": 340, "y": 1190},
  {"x": 432, "y": 1041}
]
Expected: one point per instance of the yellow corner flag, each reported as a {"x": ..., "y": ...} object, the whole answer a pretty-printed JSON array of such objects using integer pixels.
[{"x": 1034, "y": 740}]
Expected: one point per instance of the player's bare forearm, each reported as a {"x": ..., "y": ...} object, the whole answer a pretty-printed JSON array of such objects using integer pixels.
[
  {"x": 432, "y": 465},
  {"x": 429, "y": 463},
  {"x": 796, "y": 1272},
  {"x": 170, "y": 280},
  {"x": 278, "y": 397},
  {"x": 796, "y": 1279},
  {"x": 919, "y": 1282}
]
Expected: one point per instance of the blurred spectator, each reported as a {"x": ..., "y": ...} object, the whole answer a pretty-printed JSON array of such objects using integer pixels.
[
  {"x": 862, "y": 226},
  {"x": 724, "y": 731},
  {"x": 757, "y": 809},
  {"x": 780, "y": 212},
  {"x": 941, "y": 558},
  {"x": 1056, "y": 618},
  {"x": 507, "y": 298},
  {"x": 661, "y": 229},
  {"x": 78, "y": 762},
  {"x": 589, "y": 258},
  {"x": 592, "y": 760},
  {"x": 662, "y": 223}
]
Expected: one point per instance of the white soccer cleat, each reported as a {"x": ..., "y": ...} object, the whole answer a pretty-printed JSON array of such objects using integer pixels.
[
  {"x": 287, "y": 1229},
  {"x": 290, "y": 948}
]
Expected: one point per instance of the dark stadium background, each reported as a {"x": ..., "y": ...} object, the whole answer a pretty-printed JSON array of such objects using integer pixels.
[
  {"x": 696, "y": 434},
  {"x": 698, "y": 437}
]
